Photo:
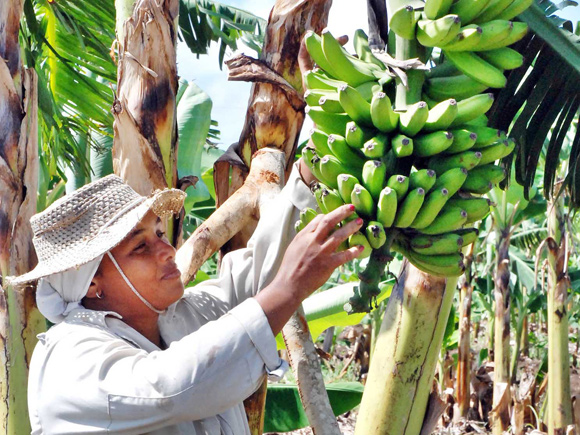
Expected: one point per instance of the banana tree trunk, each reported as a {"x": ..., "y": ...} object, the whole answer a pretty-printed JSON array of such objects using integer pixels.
[
  {"x": 464, "y": 349},
  {"x": 501, "y": 391},
  {"x": 405, "y": 356},
  {"x": 145, "y": 126},
  {"x": 559, "y": 397},
  {"x": 20, "y": 320}
]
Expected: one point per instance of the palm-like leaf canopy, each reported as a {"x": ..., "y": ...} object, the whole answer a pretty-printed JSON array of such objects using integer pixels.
[
  {"x": 70, "y": 45},
  {"x": 539, "y": 105}
]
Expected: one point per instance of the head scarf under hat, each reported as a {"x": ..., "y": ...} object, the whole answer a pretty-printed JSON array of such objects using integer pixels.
[{"x": 60, "y": 293}]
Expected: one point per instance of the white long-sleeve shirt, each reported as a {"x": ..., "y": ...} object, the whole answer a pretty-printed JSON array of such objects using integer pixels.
[{"x": 93, "y": 373}]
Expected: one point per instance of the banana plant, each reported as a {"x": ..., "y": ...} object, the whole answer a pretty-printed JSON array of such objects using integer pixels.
[{"x": 20, "y": 321}]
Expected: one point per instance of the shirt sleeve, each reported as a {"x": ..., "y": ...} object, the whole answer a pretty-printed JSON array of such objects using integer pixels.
[
  {"x": 98, "y": 379},
  {"x": 246, "y": 271}
]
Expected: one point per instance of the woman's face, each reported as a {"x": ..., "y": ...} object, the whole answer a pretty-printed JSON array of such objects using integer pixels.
[{"x": 148, "y": 260}]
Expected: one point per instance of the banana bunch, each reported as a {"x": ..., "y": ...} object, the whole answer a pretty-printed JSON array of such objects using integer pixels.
[
  {"x": 473, "y": 35},
  {"x": 415, "y": 177}
]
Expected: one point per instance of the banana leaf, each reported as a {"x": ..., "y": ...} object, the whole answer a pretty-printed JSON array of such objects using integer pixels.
[
  {"x": 193, "y": 121},
  {"x": 202, "y": 22},
  {"x": 540, "y": 101},
  {"x": 326, "y": 309},
  {"x": 284, "y": 411}
]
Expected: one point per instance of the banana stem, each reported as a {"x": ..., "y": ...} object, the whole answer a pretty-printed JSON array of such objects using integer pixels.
[
  {"x": 559, "y": 403},
  {"x": 368, "y": 290},
  {"x": 410, "y": 94}
]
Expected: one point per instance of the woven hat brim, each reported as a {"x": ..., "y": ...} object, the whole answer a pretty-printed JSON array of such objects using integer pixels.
[{"x": 163, "y": 203}]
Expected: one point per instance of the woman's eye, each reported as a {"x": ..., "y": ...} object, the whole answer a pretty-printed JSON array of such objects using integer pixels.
[
  {"x": 139, "y": 247},
  {"x": 160, "y": 234}
]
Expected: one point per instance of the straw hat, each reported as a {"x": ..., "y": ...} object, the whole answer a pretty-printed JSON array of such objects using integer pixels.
[{"x": 92, "y": 220}]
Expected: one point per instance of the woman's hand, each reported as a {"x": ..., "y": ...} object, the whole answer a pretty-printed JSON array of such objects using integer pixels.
[{"x": 307, "y": 264}]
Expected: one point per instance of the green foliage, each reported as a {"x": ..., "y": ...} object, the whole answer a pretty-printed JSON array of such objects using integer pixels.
[
  {"x": 203, "y": 21},
  {"x": 284, "y": 411}
]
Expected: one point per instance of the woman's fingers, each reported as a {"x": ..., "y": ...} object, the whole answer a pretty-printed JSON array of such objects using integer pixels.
[
  {"x": 328, "y": 223},
  {"x": 342, "y": 257},
  {"x": 340, "y": 235}
]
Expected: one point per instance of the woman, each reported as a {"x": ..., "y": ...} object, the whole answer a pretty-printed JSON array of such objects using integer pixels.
[{"x": 131, "y": 352}]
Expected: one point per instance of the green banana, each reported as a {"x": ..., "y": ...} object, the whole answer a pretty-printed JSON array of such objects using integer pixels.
[
  {"x": 347, "y": 68},
  {"x": 368, "y": 89},
  {"x": 387, "y": 207},
  {"x": 402, "y": 145},
  {"x": 400, "y": 184},
  {"x": 468, "y": 38},
  {"x": 356, "y": 136},
  {"x": 359, "y": 239},
  {"x": 444, "y": 69},
  {"x": 424, "y": 178},
  {"x": 450, "y": 219},
  {"x": 458, "y": 87},
  {"x": 433, "y": 33},
  {"x": 492, "y": 33},
  {"x": 480, "y": 121},
  {"x": 376, "y": 147},
  {"x": 346, "y": 183},
  {"x": 362, "y": 49},
  {"x": 438, "y": 265},
  {"x": 476, "y": 208},
  {"x": 312, "y": 96},
  {"x": 383, "y": 116},
  {"x": 519, "y": 30},
  {"x": 413, "y": 119},
  {"x": 317, "y": 80},
  {"x": 452, "y": 180},
  {"x": 355, "y": 105},
  {"x": 298, "y": 226},
  {"x": 436, "y": 8},
  {"x": 307, "y": 214},
  {"x": 407, "y": 210},
  {"x": 469, "y": 235},
  {"x": 467, "y": 10},
  {"x": 327, "y": 122},
  {"x": 472, "y": 107},
  {"x": 467, "y": 159},
  {"x": 486, "y": 136},
  {"x": 331, "y": 199},
  {"x": 330, "y": 168},
  {"x": 362, "y": 200},
  {"x": 373, "y": 176},
  {"x": 320, "y": 141},
  {"x": 329, "y": 103},
  {"x": 441, "y": 116},
  {"x": 376, "y": 234},
  {"x": 317, "y": 190},
  {"x": 430, "y": 144},
  {"x": 449, "y": 243},
  {"x": 503, "y": 58},
  {"x": 498, "y": 151},
  {"x": 313, "y": 164},
  {"x": 431, "y": 207},
  {"x": 313, "y": 44},
  {"x": 493, "y": 9},
  {"x": 404, "y": 22},
  {"x": 491, "y": 172},
  {"x": 483, "y": 179},
  {"x": 463, "y": 140},
  {"x": 513, "y": 10},
  {"x": 478, "y": 69},
  {"x": 347, "y": 155}
]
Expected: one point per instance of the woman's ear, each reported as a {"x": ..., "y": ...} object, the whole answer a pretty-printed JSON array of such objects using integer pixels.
[{"x": 93, "y": 289}]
